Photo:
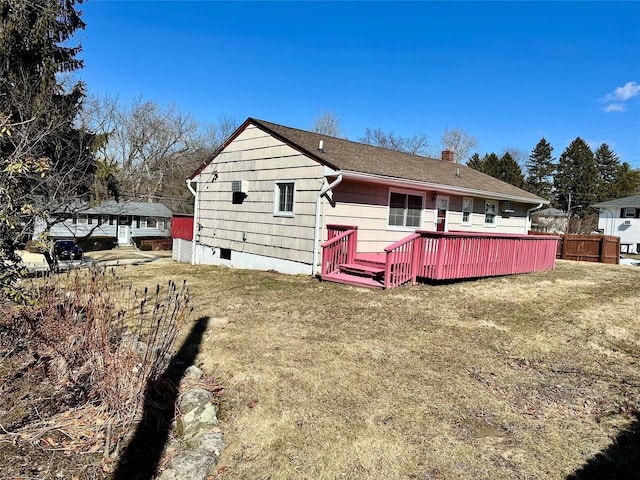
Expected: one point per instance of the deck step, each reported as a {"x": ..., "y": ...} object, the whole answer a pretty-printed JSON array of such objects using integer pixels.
[
  {"x": 362, "y": 269},
  {"x": 374, "y": 259},
  {"x": 355, "y": 280}
]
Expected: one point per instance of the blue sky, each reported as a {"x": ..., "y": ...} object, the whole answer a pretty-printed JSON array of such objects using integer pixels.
[{"x": 507, "y": 73}]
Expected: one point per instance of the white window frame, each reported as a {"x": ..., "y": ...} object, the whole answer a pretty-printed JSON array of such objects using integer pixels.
[
  {"x": 406, "y": 192},
  {"x": 468, "y": 221},
  {"x": 143, "y": 222},
  {"x": 276, "y": 199},
  {"x": 629, "y": 212},
  {"x": 82, "y": 219},
  {"x": 493, "y": 223},
  {"x": 153, "y": 219}
]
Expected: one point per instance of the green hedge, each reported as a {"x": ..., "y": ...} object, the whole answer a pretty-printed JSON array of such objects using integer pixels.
[{"x": 98, "y": 243}]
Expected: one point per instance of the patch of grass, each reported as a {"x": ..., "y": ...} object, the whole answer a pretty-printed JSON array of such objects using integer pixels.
[{"x": 527, "y": 376}]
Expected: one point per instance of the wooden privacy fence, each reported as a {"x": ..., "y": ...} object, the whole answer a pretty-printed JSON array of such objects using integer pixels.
[
  {"x": 590, "y": 248},
  {"x": 587, "y": 248}
]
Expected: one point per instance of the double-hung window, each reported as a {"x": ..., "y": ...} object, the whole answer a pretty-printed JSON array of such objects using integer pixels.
[
  {"x": 284, "y": 197},
  {"x": 405, "y": 210},
  {"x": 630, "y": 212},
  {"x": 490, "y": 209},
  {"x": 467, "y": 208}
]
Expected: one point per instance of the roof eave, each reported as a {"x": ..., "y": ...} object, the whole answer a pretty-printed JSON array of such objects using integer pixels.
[{"x": 405, "y": 183}]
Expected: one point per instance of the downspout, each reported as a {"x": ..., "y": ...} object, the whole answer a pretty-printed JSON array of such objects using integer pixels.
[
  {"x": 528, "y": 224},
  {"x": 195, "y": 220},
  {"x": 609, "y": 221},
  {"x": 316, "y": 231}
]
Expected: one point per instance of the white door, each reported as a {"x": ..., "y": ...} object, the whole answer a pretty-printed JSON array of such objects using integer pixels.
[{"x": 124, "y": 234}]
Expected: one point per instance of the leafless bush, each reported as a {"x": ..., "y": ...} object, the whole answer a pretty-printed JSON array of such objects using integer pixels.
[{"x": 98, "y": 343}]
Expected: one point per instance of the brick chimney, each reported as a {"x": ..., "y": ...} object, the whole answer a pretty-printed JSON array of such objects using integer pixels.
[{"x": 448, "y": 155}]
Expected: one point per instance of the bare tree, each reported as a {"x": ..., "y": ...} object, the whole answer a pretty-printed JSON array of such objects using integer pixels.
[
  {"x": 328, "y": 123},
  {"x": 416, "y": 144},
  {"x": 150, "y": 150},
  {"x": 459, "y": 141}
]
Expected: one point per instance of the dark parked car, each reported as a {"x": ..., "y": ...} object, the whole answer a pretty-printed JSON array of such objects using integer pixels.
[{"x": 66, "y": 250}]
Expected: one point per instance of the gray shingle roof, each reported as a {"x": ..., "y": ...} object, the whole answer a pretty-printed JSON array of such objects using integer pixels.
[
  {"x": 111, "y": 207},
  {"x": 551, "y": 212},
  {"x": 348, "y": 156},
  {"x": 351, "y": 156},
  {"x": 631, "y": 201},
  {"x": 142, "y": 209}
]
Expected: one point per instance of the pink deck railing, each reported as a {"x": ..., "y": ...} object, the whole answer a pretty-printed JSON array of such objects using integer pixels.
[
  {"x": 400, "y": 261},
  {"x": 451, "y": 255},
  {"x": 445, "y": 255},
  {"x": 339, "y": 248}
]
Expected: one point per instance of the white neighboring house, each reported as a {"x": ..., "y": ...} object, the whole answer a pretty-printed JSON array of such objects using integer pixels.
[
  {"x": 121, "y": 220},
  {"x": 621, "y": 217}
]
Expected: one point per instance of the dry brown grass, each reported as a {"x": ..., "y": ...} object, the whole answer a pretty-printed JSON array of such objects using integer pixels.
[{"x": 525, "y": 376}]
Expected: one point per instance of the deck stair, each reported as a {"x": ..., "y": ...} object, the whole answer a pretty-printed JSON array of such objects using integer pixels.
[{"x": 363, "y": 271}]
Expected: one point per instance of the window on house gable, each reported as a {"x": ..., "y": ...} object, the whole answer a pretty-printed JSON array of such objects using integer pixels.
[
  {"x": 467, "y": 208},
  {"x": 405, "y": 210},
  {"x": 490, "y": 213},
  {"x": 284, "y": 196}
]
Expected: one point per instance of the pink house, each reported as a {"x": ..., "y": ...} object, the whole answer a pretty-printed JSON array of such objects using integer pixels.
[{"x": 298, "y": 202}]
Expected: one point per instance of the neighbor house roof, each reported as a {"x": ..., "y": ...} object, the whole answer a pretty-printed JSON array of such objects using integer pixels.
[
  {"x": 111, "y": 207},
  {"x": 551, "y": 212},
  {"x": 372, "y": 163},
  {"x": 631, "y": 201}
]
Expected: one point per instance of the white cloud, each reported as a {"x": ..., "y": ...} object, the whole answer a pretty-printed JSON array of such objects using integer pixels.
[
  {"x": 624, "y": 93},
  {"x": 615, "y": 107}
]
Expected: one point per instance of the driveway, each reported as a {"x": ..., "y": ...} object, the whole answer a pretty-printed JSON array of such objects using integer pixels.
[{"x": 36, "y": 263}]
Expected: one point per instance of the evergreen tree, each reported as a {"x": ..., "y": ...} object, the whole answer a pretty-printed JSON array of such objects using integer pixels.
[
  {"x": 540, "y": 169},
  {"x": 627, "y": 181},
  {"x": 476, "y": 162},
  {"x": 576, "y": 176},
  {"x": 44, "y": 158},
  {"x": 608, "y": 173},
  {"x": 492, "y": 165},
  {"x": 510, "y": 171}
]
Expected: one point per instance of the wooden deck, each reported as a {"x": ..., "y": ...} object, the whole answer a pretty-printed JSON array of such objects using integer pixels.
[{"x": 433, "y": 256}]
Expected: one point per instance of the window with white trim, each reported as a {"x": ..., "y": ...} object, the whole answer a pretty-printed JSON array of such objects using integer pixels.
[
  {"x": 490, "y": 209},
  {"x": 405, "y": 210},
  {"x": 630, "y": 212},
  {"x": 284, "y": 198},
  {"x": 151, "y": 222},
  {"x": 467, "y": 209}
]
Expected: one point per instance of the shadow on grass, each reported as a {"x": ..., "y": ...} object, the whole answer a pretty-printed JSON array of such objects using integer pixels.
[
  {"x": 141, "y": 458},
  {"x": 620, "y": 461}
]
